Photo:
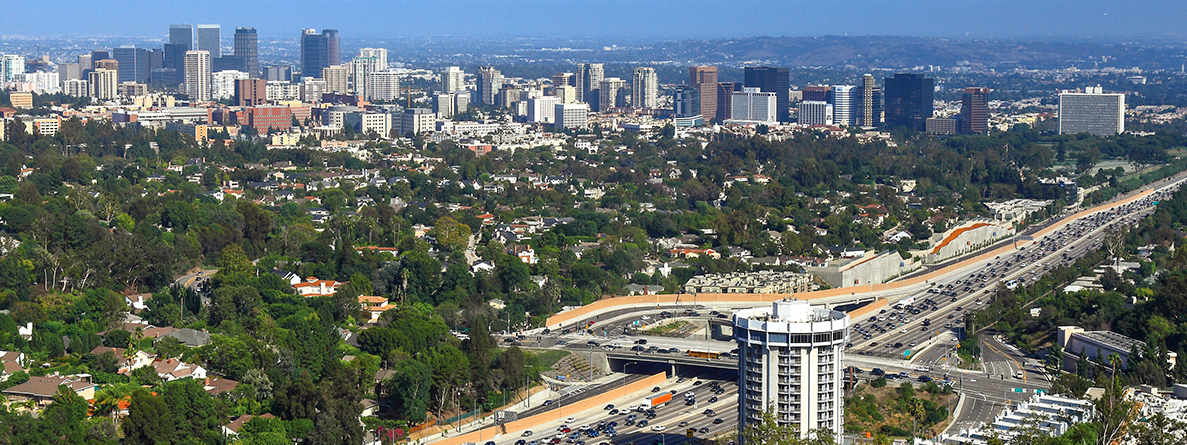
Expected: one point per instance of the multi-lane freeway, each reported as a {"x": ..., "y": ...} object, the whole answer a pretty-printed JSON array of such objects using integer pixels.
[
  {"x": 928, "y": 323},
  {"x": 707, "y": 405},
  {"x": 925, "y": 319}
]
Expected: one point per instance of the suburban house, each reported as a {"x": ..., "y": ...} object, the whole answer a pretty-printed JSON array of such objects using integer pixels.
[
  {"x": 292, "y": 278},
  {"x": 313, "y": 287},
  {"x": 215, "y": 385},
  {"x": 190, "y": 337},
  {"x": 231, "y": 430},
  {"x": 374, "y": 305},
  {"x": 11, "y": 362},
  {"x": 174, "y": 369},
  {"x": 41, "y": 390},
  {"x": 125, "y": 364}
]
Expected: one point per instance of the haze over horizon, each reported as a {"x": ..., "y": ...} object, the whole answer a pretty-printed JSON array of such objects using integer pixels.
[{"x": 643, "y": 19}]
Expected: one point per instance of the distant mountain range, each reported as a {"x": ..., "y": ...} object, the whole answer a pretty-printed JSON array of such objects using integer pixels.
[{"x": 894, "y": 52}]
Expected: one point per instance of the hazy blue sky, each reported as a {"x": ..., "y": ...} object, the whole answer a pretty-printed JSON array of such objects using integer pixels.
[{"x": 605, "y": 18}]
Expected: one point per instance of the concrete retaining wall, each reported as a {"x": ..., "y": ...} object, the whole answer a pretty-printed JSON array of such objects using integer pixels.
[
  {"x": 967, "y": 239},
  {"x": 560, "y": 413}
]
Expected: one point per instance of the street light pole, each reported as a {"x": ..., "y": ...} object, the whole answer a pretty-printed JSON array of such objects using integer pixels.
[
  {"x": 527, "y": 398},
  {"x": 623, "y": 385}
]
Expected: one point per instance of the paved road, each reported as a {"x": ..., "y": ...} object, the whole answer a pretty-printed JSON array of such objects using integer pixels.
[
  {"x": 191, "y": 280},
  {"x": 944, "y": 306},
  {"x": 669, "y": 416}
]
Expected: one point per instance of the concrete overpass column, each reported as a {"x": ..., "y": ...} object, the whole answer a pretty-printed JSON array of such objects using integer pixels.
[{"x": 599, "y": 361}]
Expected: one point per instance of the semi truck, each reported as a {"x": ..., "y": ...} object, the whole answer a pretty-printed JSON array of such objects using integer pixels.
[{"x": 654, "y": 401}]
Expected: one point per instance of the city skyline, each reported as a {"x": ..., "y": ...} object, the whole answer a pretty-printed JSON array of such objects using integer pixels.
[{"x": 696, "y": 19}]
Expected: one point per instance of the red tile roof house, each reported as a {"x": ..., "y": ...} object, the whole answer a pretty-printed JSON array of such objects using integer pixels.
[{"x": 313, "y": 287}]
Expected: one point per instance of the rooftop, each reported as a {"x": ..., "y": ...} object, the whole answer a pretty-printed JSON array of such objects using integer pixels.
[{"x": 1112, "y": 339}]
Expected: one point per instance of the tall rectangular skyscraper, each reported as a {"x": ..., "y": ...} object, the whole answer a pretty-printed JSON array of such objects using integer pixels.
[
  {"x": 776, "y": 80},
  {"x": 974, "y": 110},
  {"x": 209, "y": 40},
  {"x": 644, "y": 88},
  {"x": 247, "y": 49},
  {"x": 133, "y": 63},
  {"x": 182, "y": 35},
  {"x": 197, "y": 75},
  {"x": 319, "y": 51},
  {"x": 589, "y": 78},
  {"x": 871, "y": 102},
  {"x": 453, "y": 79},
  {"x": 704, "y": 79},
  {"x": 333, "y": 46},
  {"x": 909, "y": 100},
  {"x": 725, "y": 91},
  {"x": 489, "y": 82},
  {"x": 845, "y": 100}
]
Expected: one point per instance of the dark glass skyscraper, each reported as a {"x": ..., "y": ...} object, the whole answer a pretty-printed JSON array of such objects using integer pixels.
[
  {"x": 133, "y": 65},
  {"x": 319, "y": 51},
  {"x": 974, "y": 110},
  {"x": 776, "y": 80},
  {"x": 333, "y": 47},
  {"x": 182, "y": 35},
  {"x": 909, "y": 100},
  {"x": 247, "y": 48},
  {"x": 210, "y": 39}
]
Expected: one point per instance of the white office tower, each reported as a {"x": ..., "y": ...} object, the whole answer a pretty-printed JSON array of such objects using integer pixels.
[
  {"x": 816, "y": 112},
  {"x": 337, "y": 78},
  {"x": 645, "y": 88},
  {"x": 753, "y": 106},
  {"x": 360, "y": 71},
  {"x": 380, "y": 56},
  {"x": 846, "y": 101},
  {"x": 461, "y": 102},
  {"x": 1093, "y": 111},
  {"x": 75, "y": 87},
  {"x": 197, "y": 75},
  {"x": 383, "y": 86},
  {"x": 571, "y": 115},
  {"x": 10, "y": 66},
  {"x": 443, "y": 105},
  {"x": 453, "y": 79},
  {"x": 790, "y": 361},
  {"x": 222, "y": 83},
  {"x": 312, "y": 89},
  {"x": 566, "y": 93},
  {"x": 278, "y": 90},
  {"x": 43, "y": 82},
  {"x": 103, "y": 84},
  {"x": 543, "y": 109}
]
